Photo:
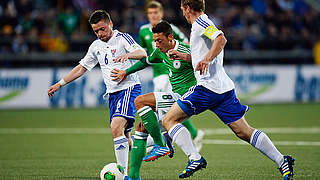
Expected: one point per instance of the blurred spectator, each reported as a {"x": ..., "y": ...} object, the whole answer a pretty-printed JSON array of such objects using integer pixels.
[
  {"x": 68, "y": 20},
  {"x": 19, "y": 45}
]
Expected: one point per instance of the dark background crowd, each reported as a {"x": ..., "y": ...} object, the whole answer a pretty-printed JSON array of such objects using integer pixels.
[{"x": 61, "y": 26}]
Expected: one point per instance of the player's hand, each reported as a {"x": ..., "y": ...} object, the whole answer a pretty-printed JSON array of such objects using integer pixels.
[
  {"x": 121, "y": 58},
  {"x": 52, "y": 89},
  {"x": 173, "y": 54},
  {"x": 203, "y": 66},
  {"x": 118, "y": 74}
]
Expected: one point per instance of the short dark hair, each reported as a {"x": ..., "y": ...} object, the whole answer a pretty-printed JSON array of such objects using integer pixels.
[
  {"x": 99, "y": 15},
  {"x": 163, "y": 27},
  {"x": 154, "y": 4},
  {"x": 196, "y": 5}
]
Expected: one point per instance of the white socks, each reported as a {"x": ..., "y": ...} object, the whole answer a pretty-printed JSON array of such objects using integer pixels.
[
  {"x": 181, "y": 136},
  {"x": 121, "y": 149},
  {"x": 261, "y": 141}
]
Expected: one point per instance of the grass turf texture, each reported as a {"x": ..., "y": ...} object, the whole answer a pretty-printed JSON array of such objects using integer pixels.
[{"x": 82, "y": 155}]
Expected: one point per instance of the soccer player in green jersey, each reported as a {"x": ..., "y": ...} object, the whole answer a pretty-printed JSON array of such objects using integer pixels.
[
  {"x": 181, "y": 77},
  {"x": 160, "y": 71}
]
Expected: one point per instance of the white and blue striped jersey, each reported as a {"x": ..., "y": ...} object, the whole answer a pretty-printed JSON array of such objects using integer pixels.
[
  {"x": 203, "y": 32},
  {"x": 104, "y": 52}
]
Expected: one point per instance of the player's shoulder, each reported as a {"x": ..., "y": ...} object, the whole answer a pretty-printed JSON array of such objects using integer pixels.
[
  {"x": 183, "y": 47},
  {"x": 124, "y": 36},
  {"x": 203, "y": 22},
  {"x": 145, "y": 27}
]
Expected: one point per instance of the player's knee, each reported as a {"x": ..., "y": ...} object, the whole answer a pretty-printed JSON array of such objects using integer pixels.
[
  {"x": 139, "y": 102},
  {"x": 116, "y": 130},
  {"x": 140, "y": 128}
]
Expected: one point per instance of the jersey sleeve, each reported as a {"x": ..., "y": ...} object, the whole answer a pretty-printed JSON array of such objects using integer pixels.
[
  {"x": 178, "y": 35},
  {"x": 129, "y": 43},
  {"x": 212, "y": 32},
  {"x": 89, "y": 60},
  {"x": 154, "y": 57},
  {"x": 137, "y": 66}
]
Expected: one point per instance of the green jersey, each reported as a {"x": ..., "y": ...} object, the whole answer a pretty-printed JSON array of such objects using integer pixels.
[
  {"x": 181, "y": 75},
  {"x": 146, "y": 41}
]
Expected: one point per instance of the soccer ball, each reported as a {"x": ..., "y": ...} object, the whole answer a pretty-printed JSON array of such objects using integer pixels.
[{"x": 112, "y": 171}]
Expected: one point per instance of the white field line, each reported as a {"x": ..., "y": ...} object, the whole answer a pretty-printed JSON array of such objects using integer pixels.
[
  {"x": 313, "y": 130},
  {"x": 55, "y": 131},
  {"x": 217, "y": 131},
  {"x": 238, "y": 142}
]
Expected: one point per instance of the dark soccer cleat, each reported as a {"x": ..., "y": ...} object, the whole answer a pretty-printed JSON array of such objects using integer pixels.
[
  {"x": 156, "y": 152},
  {"x": 192, "y": 167},
  {"x": 169, "y": 144},
  {"x": 286, "y": 168}
]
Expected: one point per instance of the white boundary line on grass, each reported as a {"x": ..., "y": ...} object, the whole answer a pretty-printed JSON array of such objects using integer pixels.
[
  {"x": 313, "y": 130},
  {"x": 238, "y": 142},
  {"x": 217, "y": 131}
]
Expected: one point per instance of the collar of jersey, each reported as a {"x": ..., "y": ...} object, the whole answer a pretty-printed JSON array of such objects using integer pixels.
[{"x": 176, "y": 46}]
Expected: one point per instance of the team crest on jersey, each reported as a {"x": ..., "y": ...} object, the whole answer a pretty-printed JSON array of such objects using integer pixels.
[
  {"x": 98, "y": 53},
  {"x": 113, "y": 51},
  {"x": 176, "y": 64},
  {"x": 147, "y": 37}
]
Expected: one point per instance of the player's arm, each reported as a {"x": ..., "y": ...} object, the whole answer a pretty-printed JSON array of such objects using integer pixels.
[
  {"x": 218, "y": 44},
  {"x": 121, "y": 75},
  {"x": 75, "y": 73},
  {"x": 174, "y": 54},
  {"x": 137, "y": 54},
  {"x": 134, "y": 49}
]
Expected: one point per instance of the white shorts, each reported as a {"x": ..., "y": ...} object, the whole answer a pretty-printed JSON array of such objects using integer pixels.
[
  {"x": 164, "y": 101},
  {"x": 161, "y": 83}
]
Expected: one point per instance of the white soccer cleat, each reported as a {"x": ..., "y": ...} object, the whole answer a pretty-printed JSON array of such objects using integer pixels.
[{"x": 197, "y": 141}]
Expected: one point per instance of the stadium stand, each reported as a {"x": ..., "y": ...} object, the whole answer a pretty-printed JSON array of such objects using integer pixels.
[{"x": 253, "y": 27}]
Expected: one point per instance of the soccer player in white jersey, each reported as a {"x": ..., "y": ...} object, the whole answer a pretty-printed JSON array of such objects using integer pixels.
[
  {"x": 110, "y": 47},
  {"x": 214, "y": 91}
]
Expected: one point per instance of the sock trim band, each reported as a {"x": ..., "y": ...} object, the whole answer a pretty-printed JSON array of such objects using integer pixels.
[
  {"x": 255, "y": 138},
  {"x": 175, "y": 130},
  {"x": 144, "y": 110},
  {"x": 121, "y": 141}
]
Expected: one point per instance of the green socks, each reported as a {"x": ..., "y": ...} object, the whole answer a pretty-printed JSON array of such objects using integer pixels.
[
  {"x": 150, "y": 122},
  {"x": 193, "y": 131},
  {"x": 138, "y": 151}
]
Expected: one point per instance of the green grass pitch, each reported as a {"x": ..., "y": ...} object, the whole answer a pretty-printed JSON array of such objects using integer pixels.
[{"x": 74, "y": 144}]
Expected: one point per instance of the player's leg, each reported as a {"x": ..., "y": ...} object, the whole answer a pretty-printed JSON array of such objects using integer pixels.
[
  {"x": 262, "y": 142},
  {"x": 121, "y": 144},
  {"x": 192, "y": 102},
  {"x": 145, "y": 105},
  {"x": 162, "y": 84},
  {"x": 138, "y": 151},
  {"x": 181, "y": 136},
  {"x": 122, "y": 113},
  {"x": 196, "y": 134},
  {"x": 232, "y": 112}
]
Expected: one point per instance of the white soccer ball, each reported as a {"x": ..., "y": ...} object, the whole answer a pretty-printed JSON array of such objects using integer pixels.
[{"x": 112, "y": 171}]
